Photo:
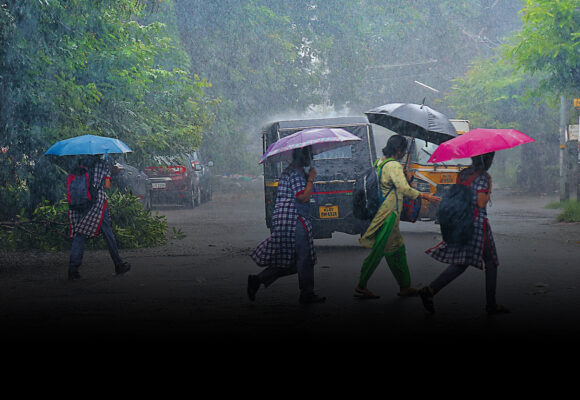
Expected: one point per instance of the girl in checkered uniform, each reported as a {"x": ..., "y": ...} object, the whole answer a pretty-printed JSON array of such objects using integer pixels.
[
  {"x": 290, "y": 247},
  {"x": 87, "y": 224},
  {"x": 479, "y": 251}
]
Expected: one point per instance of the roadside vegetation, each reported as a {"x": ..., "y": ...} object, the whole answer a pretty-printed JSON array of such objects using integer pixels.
[
  {"x": 47, "y": 228},
  {"x": 570, "y": 210}
]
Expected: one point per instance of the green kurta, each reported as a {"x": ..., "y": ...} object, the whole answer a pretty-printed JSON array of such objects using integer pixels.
[{"x": 392, "y": 175}]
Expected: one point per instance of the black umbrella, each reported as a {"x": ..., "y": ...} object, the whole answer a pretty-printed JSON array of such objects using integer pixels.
[{"x": 414, "y": 120}]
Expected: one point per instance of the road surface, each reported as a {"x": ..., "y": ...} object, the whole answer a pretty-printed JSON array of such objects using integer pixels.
[{"x": 194, "y": 288}]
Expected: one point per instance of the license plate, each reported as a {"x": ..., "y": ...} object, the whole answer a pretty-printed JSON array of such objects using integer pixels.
[
  {"x": 447, "y": 178},
  {"x": 158, "y": 185},
  {"x": 328, "y": 211}
]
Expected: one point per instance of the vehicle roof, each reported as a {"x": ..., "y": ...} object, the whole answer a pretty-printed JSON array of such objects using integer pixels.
[{"x": 310, "y": 123}]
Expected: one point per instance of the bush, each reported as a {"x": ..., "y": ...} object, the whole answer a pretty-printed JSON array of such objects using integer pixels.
[
  {"x": 134, "y": 226},
  {"x": 47, "y": 229},
  {"x": 13, "y": 199},
  {"x": 570, "y": 213}
]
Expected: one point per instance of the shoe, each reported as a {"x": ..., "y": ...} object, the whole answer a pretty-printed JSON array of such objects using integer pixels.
[
  {"x": 408, "y": 292},
  {"x": 122, "y": 268},
  {"x": 497, "y": 310},
  {"x": 253, "y": 286},
  {"x": 73, "y": 274},
  {"x": 311, "y": 299},
  {"x": 427, "y": 298},
  {"x": 364, "y": 293}
]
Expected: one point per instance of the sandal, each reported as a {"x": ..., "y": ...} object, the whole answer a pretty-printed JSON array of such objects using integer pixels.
[
  {"x": 364, "y": 293},
  {"x": 497, "y": 310},
  {"x": 427, "y": 299}
]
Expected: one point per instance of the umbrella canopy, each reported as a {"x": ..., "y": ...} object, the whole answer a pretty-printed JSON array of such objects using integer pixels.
[
  {"x": 321, "y": 140},
  {"x": 414, "y": 120},
  {"x": 88, "y": 144},
  {"x": 479, "y": 141}
]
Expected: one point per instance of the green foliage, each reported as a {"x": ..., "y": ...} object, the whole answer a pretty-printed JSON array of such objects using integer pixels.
[
  {"x": 550, "y": 42},
  {"x": 272, "y": 59},
  {"x": 134, "y": 226},
  {"x": 47, "y": 229},
  {"x": 108, "y": 68},
  {"x": 518, "y": 87},
  {"x": 12, "y": 197},
  {"x": 492, "y": 94},
  {"x": 177, "y": 234},
  {"x": 571, "y": 212}
]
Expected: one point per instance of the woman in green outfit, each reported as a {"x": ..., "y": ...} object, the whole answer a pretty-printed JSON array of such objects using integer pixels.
[{"x": 383, "y": 235}]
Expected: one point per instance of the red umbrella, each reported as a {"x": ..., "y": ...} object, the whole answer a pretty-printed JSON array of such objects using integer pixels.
[{"x": 478, "y": 141}]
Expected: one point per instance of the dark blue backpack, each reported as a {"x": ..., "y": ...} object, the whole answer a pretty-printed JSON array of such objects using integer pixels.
[
  {"x": 80, "y": 191},
  {"x": 456, "y": 213},
  {"x": 367, "y": 195}
]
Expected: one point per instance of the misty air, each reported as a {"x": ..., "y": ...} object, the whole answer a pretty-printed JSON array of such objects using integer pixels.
[{"x": 266, "y": 171}]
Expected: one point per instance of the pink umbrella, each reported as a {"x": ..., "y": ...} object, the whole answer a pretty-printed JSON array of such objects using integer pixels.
[
  {"x": 478, "y": 141},
  {"x": 321, "y": 139}
]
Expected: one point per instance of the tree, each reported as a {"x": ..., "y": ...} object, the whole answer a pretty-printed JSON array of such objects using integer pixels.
[
  {"x": 493, "y": 94},
  {"x": 109, "y": 68},
  {"x": 271, "y": 59},
  {"x": 549, "y": 42}
]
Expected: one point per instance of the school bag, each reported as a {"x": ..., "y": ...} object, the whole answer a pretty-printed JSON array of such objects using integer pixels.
[
  {"x": 455, "y": 213},
  {"x": 411, "y": 209},
  {"x": 80, "y": 192},
  {"x": 367, "y": 194}
]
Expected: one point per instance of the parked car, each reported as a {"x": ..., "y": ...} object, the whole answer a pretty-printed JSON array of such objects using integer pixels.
[
  {"x": 129, "y": 179},
  {"x": 180, "y": 179}
]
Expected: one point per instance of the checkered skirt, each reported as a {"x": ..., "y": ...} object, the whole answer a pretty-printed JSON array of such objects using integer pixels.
[
  {"x": 472, "y": 252},
  {"x": 279, "y": 250},
  {"x": 89, "y": 223}
]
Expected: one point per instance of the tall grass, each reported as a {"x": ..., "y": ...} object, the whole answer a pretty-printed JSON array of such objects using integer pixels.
[{"x": 570, "y": 210}]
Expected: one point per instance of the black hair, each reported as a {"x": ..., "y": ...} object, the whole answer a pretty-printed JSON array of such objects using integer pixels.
[
  {"x": 302, "y": 156},
  {"x": 483, "y": 161},
  {"x": 395, "y": 144}
]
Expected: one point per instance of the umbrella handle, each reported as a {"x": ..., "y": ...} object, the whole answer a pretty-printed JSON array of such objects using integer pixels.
[{"x": 408, "y": 158}]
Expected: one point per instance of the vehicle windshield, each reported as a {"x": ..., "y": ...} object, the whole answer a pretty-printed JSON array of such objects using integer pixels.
[
  {"x": 341, "y": 152},
  {"x": 421, "y": 152}
]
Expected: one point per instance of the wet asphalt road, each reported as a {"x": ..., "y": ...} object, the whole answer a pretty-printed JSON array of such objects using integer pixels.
[{"x": 195, "y": 288}]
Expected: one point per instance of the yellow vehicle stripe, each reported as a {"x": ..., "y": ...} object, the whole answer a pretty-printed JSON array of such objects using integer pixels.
[{"x": 426, "y": 179}]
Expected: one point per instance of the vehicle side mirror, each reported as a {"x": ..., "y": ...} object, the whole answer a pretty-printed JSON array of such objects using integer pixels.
[{"x": 210, "y": 164}]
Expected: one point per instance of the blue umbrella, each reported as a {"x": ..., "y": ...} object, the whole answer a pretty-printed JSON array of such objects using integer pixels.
[{"x": 88, "y": 144}]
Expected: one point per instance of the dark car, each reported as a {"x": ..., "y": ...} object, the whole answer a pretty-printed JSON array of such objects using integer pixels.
[
  {"x": 180, "y": 179},
  {"x": 129, "y": 179}
]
